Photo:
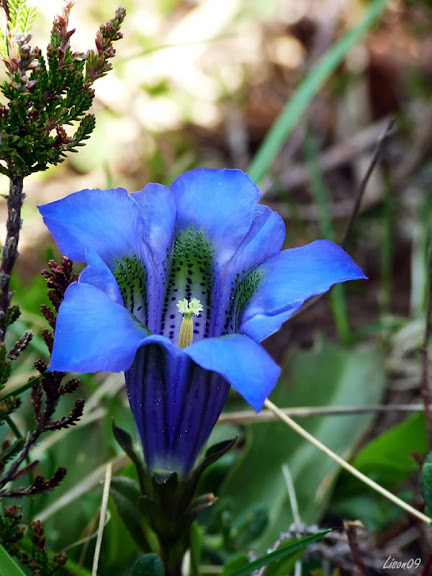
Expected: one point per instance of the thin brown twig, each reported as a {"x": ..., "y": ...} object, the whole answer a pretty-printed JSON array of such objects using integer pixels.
[
  {"x": 11, "y": 473},
  {"x": 424, "y": 381},
  {"x": 351, "y": 532},
  {"x": 364, "y": 181},
  {"x": 427, "y": 566},
  {"x": 342, "y": 153},
  {"x": 357, "y": 202},
  {"x": 251, "y": 417}
]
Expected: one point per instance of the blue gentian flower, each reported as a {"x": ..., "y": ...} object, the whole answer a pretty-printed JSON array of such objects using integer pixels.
[{"x": 180, "y": 287}]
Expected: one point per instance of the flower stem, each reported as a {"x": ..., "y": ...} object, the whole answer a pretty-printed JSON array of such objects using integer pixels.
[
  {"x": 10, "y": 248},
  {"x": 297, "y": 428},
  {"x": 172, "y": 557},
  {"x": 174, "y": 571}
]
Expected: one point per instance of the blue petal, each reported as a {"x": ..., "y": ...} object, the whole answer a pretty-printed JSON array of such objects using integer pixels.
[
  {"x": 99, "y": 275},
  {"x": 220, "y": 202},
  {"x": 242, "y": 362},
  {"x": 94, "y": 333},
  {"x": 175, "y": 404},
  {"x": 176, "y": 396},
  {"x": 291, "y": 278},
  {"x": 264, "y": 240},
  {"x": 107, "y": 221},
  {"x": 158, "y": 211}
]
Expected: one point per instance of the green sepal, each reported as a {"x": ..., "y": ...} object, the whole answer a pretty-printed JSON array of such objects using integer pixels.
[
  {"x": 148, "y": 565},
  {"x": 169, "y": 501},
  {"x": 200, "y": 504},
  {"x": 426, "y": 484},
  {"x": 127, "y": 498},
  {"x": 169, "y": 512},
  {"x": 166, "y": 502},
  {"x": 214, "y": 453},
  {"x": 125, "y": 441},
  {"x": 177, "y": 494}
]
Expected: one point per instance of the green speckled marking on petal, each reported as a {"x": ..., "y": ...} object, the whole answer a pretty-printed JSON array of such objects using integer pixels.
[
  {"x": 241, "y": 293},
  {"x": 190, "y": 276},
  {"x": 131, "y": 277}
]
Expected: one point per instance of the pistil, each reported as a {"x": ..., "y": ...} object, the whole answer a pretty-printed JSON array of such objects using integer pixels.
[{"x": 188, "y": 309}]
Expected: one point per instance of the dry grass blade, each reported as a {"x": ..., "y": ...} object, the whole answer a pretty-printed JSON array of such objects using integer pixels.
[
  {"x": 294, "y": 509},
  {"x": 344, "y": 464},
  {"x": 107, "y": 484}
]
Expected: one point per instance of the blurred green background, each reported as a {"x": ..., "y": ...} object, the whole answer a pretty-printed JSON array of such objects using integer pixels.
[{"x": 200, "y": 83}]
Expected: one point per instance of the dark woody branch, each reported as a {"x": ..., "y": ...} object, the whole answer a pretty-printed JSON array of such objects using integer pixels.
[
  {"x": 45, "y": 395},
  {"x": 43, "y": 96}
]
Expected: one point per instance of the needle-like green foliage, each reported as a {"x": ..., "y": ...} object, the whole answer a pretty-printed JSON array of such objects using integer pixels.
[{"x": 46, "y": 94}]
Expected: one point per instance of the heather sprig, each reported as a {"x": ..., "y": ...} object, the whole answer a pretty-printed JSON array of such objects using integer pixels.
[
  {"x": 15, "y": 463},
  {"x": 44, "y": 114},
  {"x": 46, "y": 94},
  {"x": 45, "y": 395},
  {"x": 34, "y": 554}
]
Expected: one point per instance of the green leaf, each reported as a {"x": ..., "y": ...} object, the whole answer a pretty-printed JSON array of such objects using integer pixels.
[
  {"x": 148, "y": 565},
  {"x": 283, "y": 552},
  {"x": 284, "y": 567},
  {"x": 237, "y": 562},
  {"x": 126, "y": 495},
  {"x": 324, "y": 376},
  {"x": 8, "y": 565},
  {"x": 388, "y": 458},
  {"x": 426, "y": 483},
  {"x": 372, "y": 509},
  {"x": 249, "y": 526},
  {"x": 306, "y": 91}
]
